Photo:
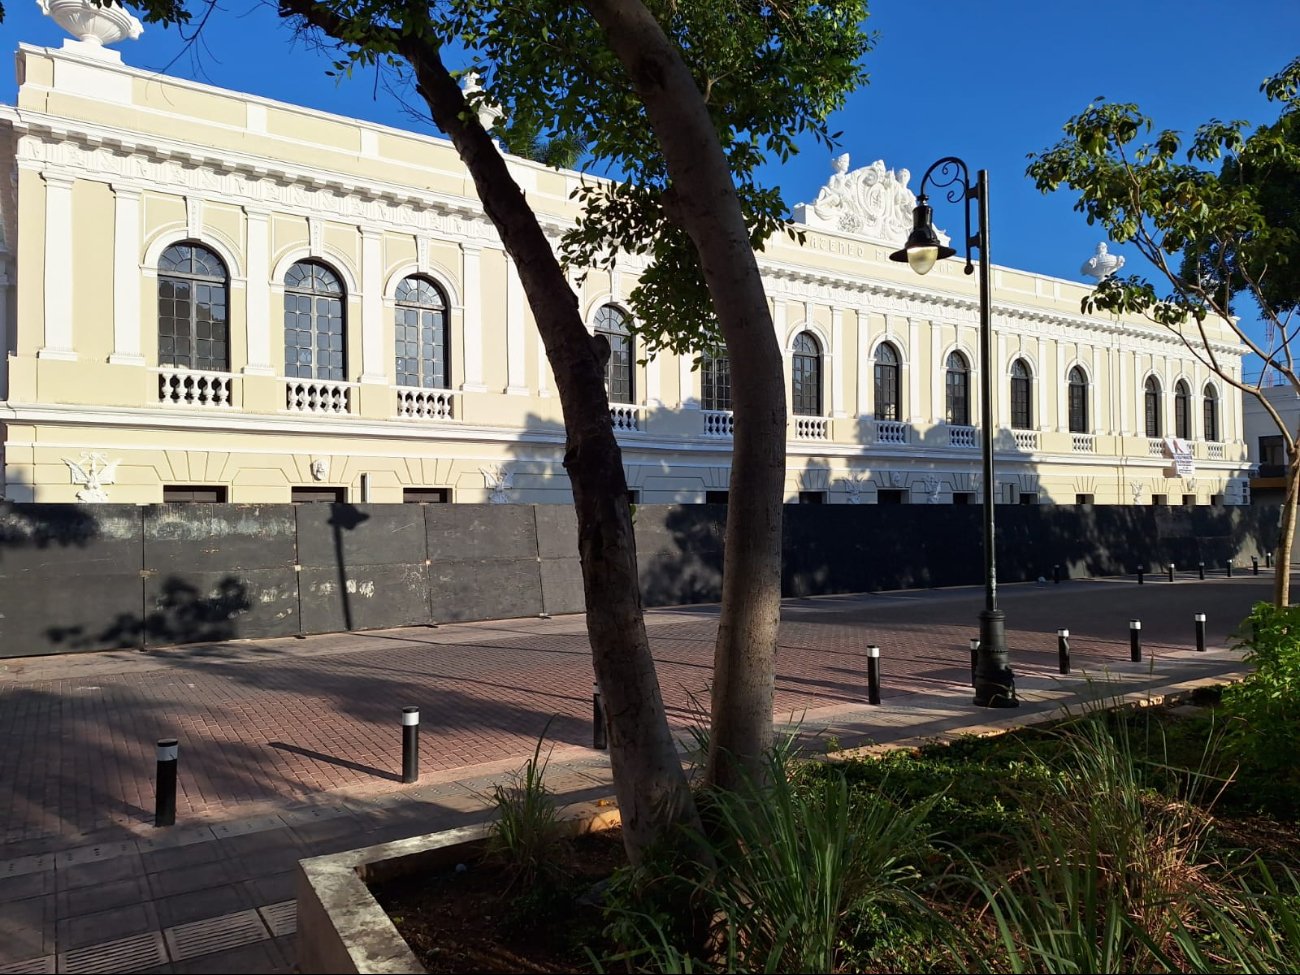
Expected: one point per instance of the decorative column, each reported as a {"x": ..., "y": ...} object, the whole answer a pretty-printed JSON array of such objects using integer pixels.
[
  {"x": 516, "y": 381},
  {"x": 914, "y": 360},
  {"x": 837, "y": 343},
  {"x": 864, "y": 362},
  {"x": 257, "y": 289},
  {"x": 938, "y": 374},
  {"x": 58, "y": 257},
  {"x": 126, "y": 277},
  {"x": 373, "y": 368},
  {"x": 686, "y": 397},
  {"x": 1120, "y": 421},
  {"x": 1001, "y": 389},
  {"x": 1040, "y": 399},
  {"x": 472, "y": 317}
]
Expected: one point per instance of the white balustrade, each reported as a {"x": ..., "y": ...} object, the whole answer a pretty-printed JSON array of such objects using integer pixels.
[
  {"x": 1026, "y": 439},
  {"x": 320, "y": 396},
  {"x": 961, "y": 436},
  {"x": 627, "y": 419},
  {"x": 719, "y": 423},
  {"x": 1155, "y": 447},
  {"x": 1084, "y": 443},
  {"x": 178, "y": 386},
  {"x": 891, "y": 432},
  {"x": 1215, "y": 451},
  {"x": 425, "y": 404},
  {"x": 811, "y": 428}
]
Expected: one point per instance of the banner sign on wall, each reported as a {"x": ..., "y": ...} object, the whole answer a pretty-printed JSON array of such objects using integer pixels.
[{"x": 1181, "y": 452}]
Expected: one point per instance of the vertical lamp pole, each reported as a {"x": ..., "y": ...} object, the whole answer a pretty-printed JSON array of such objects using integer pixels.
[{"x": 995, "y": 685}]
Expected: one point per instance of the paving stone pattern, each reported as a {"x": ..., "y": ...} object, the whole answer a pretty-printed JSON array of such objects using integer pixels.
[{"x": 290, "y": 748}]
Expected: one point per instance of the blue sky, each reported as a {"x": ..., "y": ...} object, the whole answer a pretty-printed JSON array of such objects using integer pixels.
[{"x": 988, "y": 81}]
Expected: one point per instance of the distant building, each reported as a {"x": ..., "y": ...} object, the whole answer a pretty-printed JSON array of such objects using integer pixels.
[
  {"x": 1267, "y": 450},
  {"x": 206, "y": 295}
]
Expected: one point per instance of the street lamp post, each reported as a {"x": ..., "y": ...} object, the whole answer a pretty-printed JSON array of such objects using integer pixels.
[{"x": 995, "y": 684}]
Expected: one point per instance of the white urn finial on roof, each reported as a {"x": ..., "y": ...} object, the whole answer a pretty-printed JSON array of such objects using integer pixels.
[
  {"x": 92, "y": 26},
  {"x": 1102, "y": 264}
]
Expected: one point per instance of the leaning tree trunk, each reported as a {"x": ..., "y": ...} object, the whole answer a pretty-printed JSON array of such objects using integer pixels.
[
  {"x": 702, "y": 199},
  {"x": 1286, "y": 531},
  {"x": 653, "y": 796}
]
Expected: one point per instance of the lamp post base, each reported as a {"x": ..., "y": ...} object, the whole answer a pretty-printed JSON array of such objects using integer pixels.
[{"x": 995, "y": 684}]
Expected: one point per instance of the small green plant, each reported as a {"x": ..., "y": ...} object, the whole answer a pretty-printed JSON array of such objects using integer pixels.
[
  {"x": 526, "y": 832},
  {"x": 832, "y": 745}
]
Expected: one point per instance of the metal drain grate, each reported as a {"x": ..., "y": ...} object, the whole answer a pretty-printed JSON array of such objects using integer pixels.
[
  {"x": 132, "y": 954},
  {"x": 32, "y": 966},
  {"x": 214, "y": 934},
  {"x": 281, "y": 918}
]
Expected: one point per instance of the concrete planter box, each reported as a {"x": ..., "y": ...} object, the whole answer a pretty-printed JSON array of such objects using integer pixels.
[{"x": 342, "y": 928}]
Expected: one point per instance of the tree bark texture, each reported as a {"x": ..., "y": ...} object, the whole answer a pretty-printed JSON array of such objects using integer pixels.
[
  {"x": 705, "y": 204},
  {"x": 653, "y": 795},
  {"x": 1286, "y": 532}
]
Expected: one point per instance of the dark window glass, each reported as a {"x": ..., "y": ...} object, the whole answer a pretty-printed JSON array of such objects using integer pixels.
[
  {"x": 426, "y": 495},
  {"x": 806, "y": 376},
  {"x": 619, "y": 379},
  {"x": 1028, "y": 498},
  {"x": 715, "y": 382},
  {"x": 1272, "y": 456},
  {"x": 1182, "y": 411},
  {"x": 178, "y": 493},
  {"x": 1021, "y": 396},
  {"x": 715, "y": 497},
  {"x": 421, "y": 335},
  {"x": 891, "y": 496},
  {"x": 1189, "y": 501},
  {"x": 958, "y": 390},
  {"x": 963, "y": 497},
  {"x": 1078, "y": 401},
  {"x": 633, "y": 496},
  {"x": 1151, "y": 399},
  {"x": 193, "y": 313},
  {"x": 1159, "y": 499},
  {"x": 314, "y": 342},
  {"x": 812, "y": 497},
  {"x": 1210, "y": 409},
  {"x": 331, "y": 495},
  {"x": 1084, "y": 498},
  {"x": 887, "y": 382}
]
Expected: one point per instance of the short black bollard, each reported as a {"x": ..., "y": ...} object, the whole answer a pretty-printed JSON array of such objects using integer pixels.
[
  {"x": 974, "y": 658},
  {"x": 1135, "y": 641},
  {"x": 1200, "y": 569},
  {"x": 1200, "y": 631},
  {"x": 1268, "y": 560},
  {"x": 1254, "y": 565},
  {"x": 1056, "y": 574},
  {"x": 410, "y": 745},
  {"x": 1141, "y": 569},
  {"x": 873, "y": 674},
  {"x": 599, "y": 738},
  {"x": 1171, "y": 572},
  {"x": 164, "y": 807},
  {"x": 1063, "y": 650},
  {"x": 1229, "y": 568}
]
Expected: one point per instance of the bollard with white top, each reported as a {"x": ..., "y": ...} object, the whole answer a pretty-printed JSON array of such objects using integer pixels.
[
  {"x": 410, "y": 745},
  {"x": 1135, "y": 641},
  {"x": 1063, "y": 650},
  {"x": 164, "y": 810},
  {"x": 873, "y": 674},
  {"x": 1199, "y": 619}
]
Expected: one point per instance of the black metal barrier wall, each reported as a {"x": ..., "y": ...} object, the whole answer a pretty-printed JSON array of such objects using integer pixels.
[{"x": 92, "y": 577}]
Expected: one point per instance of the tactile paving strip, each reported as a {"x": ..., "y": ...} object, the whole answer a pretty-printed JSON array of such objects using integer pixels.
[
  {"x": 132, "y": 954},
  {"x": 214, "y": 934},
  {"x": 281, "y": 918},
  {"x": 32, "y": 966}
]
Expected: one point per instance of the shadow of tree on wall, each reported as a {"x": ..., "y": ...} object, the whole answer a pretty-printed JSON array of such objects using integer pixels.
[{"x": 181, "y": 614}]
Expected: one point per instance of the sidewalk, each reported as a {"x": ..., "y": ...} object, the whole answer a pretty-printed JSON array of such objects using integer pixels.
[{"x": 291, "y": 748}]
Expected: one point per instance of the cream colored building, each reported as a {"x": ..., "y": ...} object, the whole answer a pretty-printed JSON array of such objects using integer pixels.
[{"x": 209, "y": 295}]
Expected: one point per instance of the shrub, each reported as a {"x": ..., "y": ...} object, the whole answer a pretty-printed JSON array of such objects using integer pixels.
[{"x": 526, "y": 832}]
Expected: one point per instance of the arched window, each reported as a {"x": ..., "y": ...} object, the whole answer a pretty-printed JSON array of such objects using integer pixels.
[
  {"x": 619, "y": 376},
  {"x": 715, "y": 382},
  {"x": 421, "y": 334},
  {"x": 958, "y": 390},
  {"x": 1022, "y": 388},
  {"x": 806, "y": 375},
  {"x": 1078, "y": 401},
  {"x": 1211, "y": 411},
  {"x": 1182, "y": 411},
  {"x": 193, "y": 309},
  {"x": 887, "y": 382},
  {"x": 1151, "y": 400},
  {"x": 314, "y": 343}
]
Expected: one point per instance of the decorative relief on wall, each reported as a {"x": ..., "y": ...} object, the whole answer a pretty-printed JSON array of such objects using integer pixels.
[
  {"x": 320, "y": 468},
  {"x": 1137, "y": 487},
  {"x": 498, "y": 480},
  {"x": 92, "y": 471},
  {"x": 932, "y": 485},
  {"x": 855, "y": 483},
  {"x": 872, "y": 202}
]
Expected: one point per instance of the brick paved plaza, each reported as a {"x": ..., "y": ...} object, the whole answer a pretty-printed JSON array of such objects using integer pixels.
[{"x": 291, "y": 748}]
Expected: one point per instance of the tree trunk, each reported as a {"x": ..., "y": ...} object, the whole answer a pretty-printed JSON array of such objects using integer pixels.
[
  {"x": 1286, "y": 532},
  {"x": 704, "y": 203},
  {"x": 653, "y": 795}
]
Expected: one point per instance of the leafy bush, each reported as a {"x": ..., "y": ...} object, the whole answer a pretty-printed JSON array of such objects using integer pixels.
[
  {"x": 525, "y": 835},
  {"x": 1266, "y": 736}
]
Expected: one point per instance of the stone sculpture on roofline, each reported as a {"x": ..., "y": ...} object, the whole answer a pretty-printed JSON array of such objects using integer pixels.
[
  {"x": 872, "y": 202},
  {"x": 1102, "y": 264}
]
